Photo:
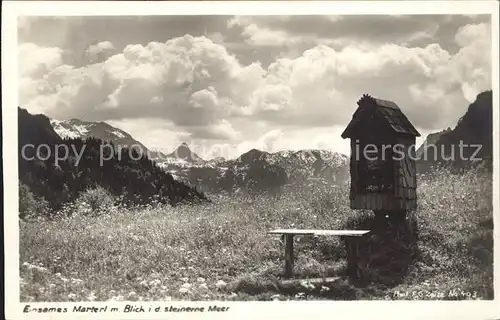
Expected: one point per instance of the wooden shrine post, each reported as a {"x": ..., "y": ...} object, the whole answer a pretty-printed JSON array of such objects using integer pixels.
[{"x": 383, "y": 179}]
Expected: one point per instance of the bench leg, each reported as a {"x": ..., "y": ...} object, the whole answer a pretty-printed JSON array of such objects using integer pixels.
[
  {"x": 288, "y": 255},
  {"x": 352, "y": 259}
]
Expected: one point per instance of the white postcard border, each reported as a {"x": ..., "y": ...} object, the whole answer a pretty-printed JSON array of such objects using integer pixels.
[{"x": 330, "y": 309}]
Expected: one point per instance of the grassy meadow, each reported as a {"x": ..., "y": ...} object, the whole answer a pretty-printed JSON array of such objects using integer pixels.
[{"x": 221, "y": 250}]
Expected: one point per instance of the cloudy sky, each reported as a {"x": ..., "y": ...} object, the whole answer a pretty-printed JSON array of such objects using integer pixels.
[{"x": 225, "y": 84}]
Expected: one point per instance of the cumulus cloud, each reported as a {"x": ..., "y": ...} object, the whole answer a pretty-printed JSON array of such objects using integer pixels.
[
  {"x": 457, "y": 79},
  {"x": 266, "y": 37},
  {"x": 36, "y": 61},
  {"x": 266, "y": 142},
  {"x": 321, "y": 86},
  {"x": 297, "y": 139},
  {"x": 219, "y": 130},
  {"x": 338, "y": 30},
  {"x": 156, "y": 134},
  {"x": 187, "y": 80},
  {"x": 99, "y": 52}
]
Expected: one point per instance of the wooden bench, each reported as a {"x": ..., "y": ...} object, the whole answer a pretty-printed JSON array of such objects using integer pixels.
[{"x": 290, "y": 233}]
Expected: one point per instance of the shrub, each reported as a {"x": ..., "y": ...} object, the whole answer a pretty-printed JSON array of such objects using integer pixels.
[{"x": 30, "y": 205}]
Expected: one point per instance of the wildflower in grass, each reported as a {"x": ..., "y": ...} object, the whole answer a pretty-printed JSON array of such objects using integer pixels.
[
  {"x": 203, "y": 286},
  {"x": 184, "y": 290},
  {"x": 163, "y": 288},
  {"x": 155, "y": 275},
  {"x": 76, "y": 281},
  {"x": 91, "y": 296},
  {"x": 324, "y": 289},
  {"x": 117, "y": 298},
  {"x": 308, "y": 285},
  {"x": 71, "y": 296},
  {"x": 132, "y": 295},
  {"x": 276, "y": 297},
  {"x": 30, "y": 266},
  {"x": 155, "y": 282},
  {"x": 300, "y": 295},
  {"x": 144, "y": 283},
  {"x": 185, "y": 279}
]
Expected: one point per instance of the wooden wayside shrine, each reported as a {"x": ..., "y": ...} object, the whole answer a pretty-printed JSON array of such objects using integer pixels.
[
  {"x": 383, "y": 172},
  {"x": 383, "y": 179}
]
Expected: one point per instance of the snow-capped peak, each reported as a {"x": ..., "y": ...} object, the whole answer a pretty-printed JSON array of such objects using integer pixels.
[
  {"x": 70, "y": 128},
  {"x": 75, "y": 128}
]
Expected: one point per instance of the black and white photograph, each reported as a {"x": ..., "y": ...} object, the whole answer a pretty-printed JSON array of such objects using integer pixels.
[{"x": 242, "y": 157}]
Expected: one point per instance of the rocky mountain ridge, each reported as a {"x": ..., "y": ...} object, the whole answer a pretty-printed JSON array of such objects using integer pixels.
[{"x": 468, "y": 144}]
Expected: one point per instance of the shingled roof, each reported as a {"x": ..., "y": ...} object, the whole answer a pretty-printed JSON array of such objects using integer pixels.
[{"x": 387, "y": 110}]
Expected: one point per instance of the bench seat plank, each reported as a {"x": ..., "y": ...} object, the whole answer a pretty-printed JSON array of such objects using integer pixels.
[{"x": 320, "y": 232}]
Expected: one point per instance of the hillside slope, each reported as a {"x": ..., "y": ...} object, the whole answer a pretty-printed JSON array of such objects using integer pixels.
[
  {"x": 469, "y": 144},
  {"x": 430, "y": 140},
  {"x": 62, "y": 180}
]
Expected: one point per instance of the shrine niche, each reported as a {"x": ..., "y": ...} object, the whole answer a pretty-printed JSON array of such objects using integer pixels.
[{"x": 383, "y": 174}]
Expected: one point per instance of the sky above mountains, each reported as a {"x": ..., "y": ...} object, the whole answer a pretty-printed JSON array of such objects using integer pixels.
[{"x": 226, "y": 84}]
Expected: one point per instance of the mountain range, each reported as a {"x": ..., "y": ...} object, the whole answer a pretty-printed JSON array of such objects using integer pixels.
[
  {"x": 218, "y": 173},
  {"x": 261, "y": 171}
]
